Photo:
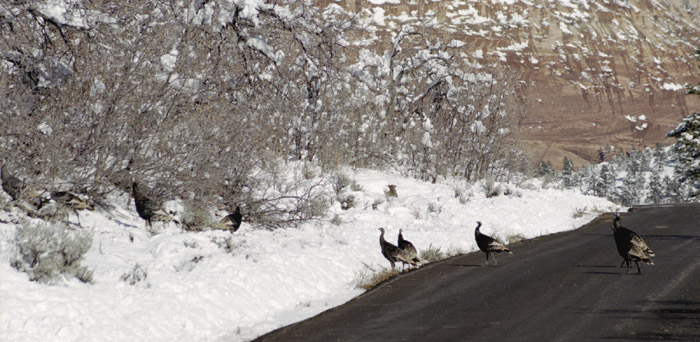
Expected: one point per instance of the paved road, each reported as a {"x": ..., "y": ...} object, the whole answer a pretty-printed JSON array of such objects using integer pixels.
[{"x": 562, "y": 287}]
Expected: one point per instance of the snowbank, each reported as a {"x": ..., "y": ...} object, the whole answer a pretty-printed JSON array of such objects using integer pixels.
[{"x": 217, "y": 286}]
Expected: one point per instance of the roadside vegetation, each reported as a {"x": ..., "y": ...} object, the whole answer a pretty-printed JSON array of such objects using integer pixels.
[{"x": 213, "y": 106}]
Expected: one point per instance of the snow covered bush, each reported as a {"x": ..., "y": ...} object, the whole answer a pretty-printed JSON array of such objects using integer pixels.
[
  {"x": 136, "y": 275},
  {"x": 491, "y": 187},
  {"x": 196, "y": 218},
  {"x": 687, "y": 149},
  {"x": 47, "y": 252},
  {"x": 431, "y": 254},
  {"x": 281, "y": 82}
]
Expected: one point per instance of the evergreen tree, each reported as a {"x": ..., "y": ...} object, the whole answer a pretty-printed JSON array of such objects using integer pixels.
[
  {"x": 673, "y": 189},
  {"x": 659, "y": 157},
  {"x": 626, "y": 193},
  {"x": 545, "y": 169},
  {"x": 657, "y": 190},
  {"x": 587, "y": 177},
  {"x": 605, "y": 185},
  {"x": 567, "y": 173},
  {"x": 688, "y": 147},
  {"x": 645, "y": 160},
  {"x": 633, "y": 164}
]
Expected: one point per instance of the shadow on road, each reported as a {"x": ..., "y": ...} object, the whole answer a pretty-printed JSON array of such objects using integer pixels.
[
  {"x": 598, "y": 267},
  {"x": 466, "y": 265},
  {"x": 654, "y": 336},
  {"x": 671, "y": 320},
  {"x": 670, "y": 237}
]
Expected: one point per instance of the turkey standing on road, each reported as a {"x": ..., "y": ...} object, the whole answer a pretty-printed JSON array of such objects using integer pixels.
[
  {"x": 489, "y": 245},
  {"x": 389, "y": 251},
  {"x": 631, "y": 246},
  {"x": 148, "y": 209},
  {"x": 11, "y": 184},
  {"x": 233, "y": 221},
  {"x": 408, "y": 254}
]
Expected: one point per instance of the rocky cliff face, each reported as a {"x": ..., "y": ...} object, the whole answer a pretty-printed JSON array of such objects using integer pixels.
[{"x": 593, "y": 73}]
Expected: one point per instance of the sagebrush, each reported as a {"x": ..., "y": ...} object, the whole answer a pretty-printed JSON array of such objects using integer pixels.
[{"x": 49, "y": 252}]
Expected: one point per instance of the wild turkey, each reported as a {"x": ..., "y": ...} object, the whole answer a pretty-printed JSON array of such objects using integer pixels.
[
  {"x": 11, "y": 184},
  {"x": 232, "y": 221},
  {"x": 389, "y": 251},
  {"x": 631, "y": 246},
  {"x": 148, "y": 209},
  {"x": 408, "y": 254},
  {"x": 489, "y": 245},
  {"x": 71, "y": 201}
]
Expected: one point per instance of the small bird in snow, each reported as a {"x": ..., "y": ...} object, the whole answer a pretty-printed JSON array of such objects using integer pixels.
[
  {"x": 233, "y": 221},
  {"x": 631, "y": 246},
  {"x": 489, "y": 245},
  {"x": 408, "y": 254},
  {"x": 389, "y": 251}
]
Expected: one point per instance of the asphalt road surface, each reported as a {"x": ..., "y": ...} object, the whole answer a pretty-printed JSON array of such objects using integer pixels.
[{"x": 561, "y": 287}]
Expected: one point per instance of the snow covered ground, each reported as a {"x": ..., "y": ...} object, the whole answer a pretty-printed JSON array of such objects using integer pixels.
[{"x": 217, "y": 286}]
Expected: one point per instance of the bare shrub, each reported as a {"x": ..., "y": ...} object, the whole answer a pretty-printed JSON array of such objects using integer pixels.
[
  {"x": 463, "y": 195},
  {"x": 491, "y": 189},
  {"x": 434, "y": 207},
  {"x": 123, "y": 95},
  {"x": 137, "y": 274},
  {"x": 340, "y": 182},
  {"x": 367, "y": 278},
  {"x": 225, "y": 243},
  {"x": 580, "y": 212},
  {"x": 347, "y": 202},
  {"x": 196, "y": 218},
  {"x": 432, "y": 254},
  {"x": 514, "y": 238},
  {"x": 336, "y": 220}
]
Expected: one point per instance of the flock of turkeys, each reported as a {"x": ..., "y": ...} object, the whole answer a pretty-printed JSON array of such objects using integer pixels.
[{"x": 630, "y": 245}]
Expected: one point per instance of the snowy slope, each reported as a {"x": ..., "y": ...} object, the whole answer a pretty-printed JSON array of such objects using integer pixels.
[{"x": 198, "y": 290}]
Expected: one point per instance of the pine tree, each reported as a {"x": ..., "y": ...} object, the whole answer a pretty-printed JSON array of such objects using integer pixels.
[
  {"x": 659, "y": 157},
  {"x": 545, "y": 169},
  {"x": 606, "y": 182},
  {"x": 673, "y": 189},
  {"x": 634, "y": 163},
  {"x": 587, "y": 177},
  {"x": 657, "y": 190},
  {"x": 687, "y": 148},
  {"x": 645, "y": 160},
  {"x": 567, "y": 173}
]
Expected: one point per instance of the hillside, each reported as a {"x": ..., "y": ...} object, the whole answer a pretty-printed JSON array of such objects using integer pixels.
[
  {"x": 593, "y": 73},
  {"x": 217, "y": 285}
]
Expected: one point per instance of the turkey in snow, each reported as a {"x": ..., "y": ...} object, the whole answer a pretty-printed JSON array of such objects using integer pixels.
[
  {"x": 71, "y": 201},
  {"x": 489, "y": 245},
  {"x": 232, "y": 221},
  {"x": 408, "y": 254},
  {"x": 11, "y": 184},
  {"x": 389, "y": 251},
  {"x": 631, "y": 246},
  {"x": 148, "y": 209}
]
